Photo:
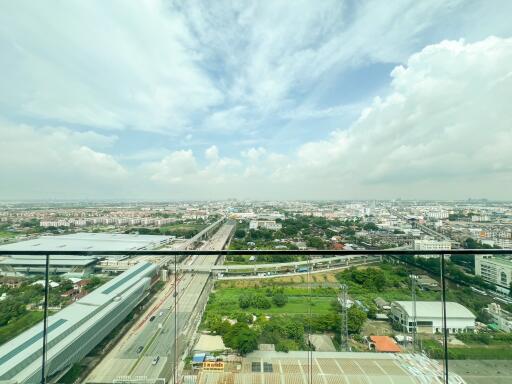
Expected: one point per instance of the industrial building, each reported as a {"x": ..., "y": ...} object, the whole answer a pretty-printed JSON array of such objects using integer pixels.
[
  {"x": 24, "y": 264},
  {"x": 428, "y": 316},
  {"x": 75, "y": 330},
  {"x": 79, "y": 265},
  {"x": 494, "y": 269}
]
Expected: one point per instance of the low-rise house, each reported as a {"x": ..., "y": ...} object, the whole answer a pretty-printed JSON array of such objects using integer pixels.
[{"x": 500, "y": 317}]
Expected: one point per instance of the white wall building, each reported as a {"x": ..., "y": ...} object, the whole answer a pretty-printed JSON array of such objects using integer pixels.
[
  {"x": 438, "y": 215},
  {"x": 494, "y": 269},
  {"x": 431, "y": 245},
  {"x": 266, "y": 224},
  {"x": 429, "y": 318}
]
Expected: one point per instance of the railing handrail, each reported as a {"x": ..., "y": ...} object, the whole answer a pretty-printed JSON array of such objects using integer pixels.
[{"x": 320, "y": 252}]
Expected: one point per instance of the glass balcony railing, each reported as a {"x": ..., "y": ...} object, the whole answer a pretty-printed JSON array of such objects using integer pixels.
[{"x": 246, "y": 316}]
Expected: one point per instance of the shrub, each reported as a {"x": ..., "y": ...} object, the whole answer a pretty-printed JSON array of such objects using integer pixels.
[{"x": 280, "y": 299}]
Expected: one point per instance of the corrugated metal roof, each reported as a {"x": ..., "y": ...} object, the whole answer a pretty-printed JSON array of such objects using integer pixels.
[
  {"x": 127, "y": 276},
  {"x": 84, "y": 241},
  {"x": 65, "y": 321},
  {"x": 434, "y": 309},
  {"x": 13, "y": 352}
]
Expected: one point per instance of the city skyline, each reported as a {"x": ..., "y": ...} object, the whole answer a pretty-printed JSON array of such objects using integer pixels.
[{"x": 162, "y": 100}]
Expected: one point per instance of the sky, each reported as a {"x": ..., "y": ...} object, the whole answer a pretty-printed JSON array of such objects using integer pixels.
[{"x": 187, "y": 100}]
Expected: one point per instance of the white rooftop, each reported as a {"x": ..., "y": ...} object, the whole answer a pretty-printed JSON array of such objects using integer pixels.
[
  {"x": 85, "y": 241},
  {"x": 72, "y": 320},
  {"x": 435, "y": 309}
]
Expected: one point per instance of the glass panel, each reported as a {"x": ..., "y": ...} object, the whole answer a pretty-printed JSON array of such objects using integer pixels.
[
  {"x": 289, "y": 327},
  {"x": 423, "y": 315},
  {"x": 479, "y": 327}
]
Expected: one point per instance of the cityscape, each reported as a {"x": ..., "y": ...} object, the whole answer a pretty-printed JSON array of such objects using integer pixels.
[
  {"x": 255, "y": 192},
  {"x": 280, "y": 288}
]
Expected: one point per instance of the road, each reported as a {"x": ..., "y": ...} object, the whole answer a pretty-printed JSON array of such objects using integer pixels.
[
  {"x": 424, "y": 228},
  {"x": 164, "y": 326}
]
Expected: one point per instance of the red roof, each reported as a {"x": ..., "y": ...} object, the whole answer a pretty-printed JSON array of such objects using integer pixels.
[{"x": 384, "y": 344}]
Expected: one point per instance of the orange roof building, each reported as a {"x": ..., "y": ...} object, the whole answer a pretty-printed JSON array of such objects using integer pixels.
[{"x": 384, "y": 344}]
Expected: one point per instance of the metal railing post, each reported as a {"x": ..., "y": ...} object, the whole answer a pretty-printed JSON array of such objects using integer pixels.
[
  {"x": 45, "y": 317},
  {"x": 445, "y": 328}
]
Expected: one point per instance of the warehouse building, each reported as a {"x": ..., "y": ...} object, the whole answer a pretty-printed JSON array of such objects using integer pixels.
[
  {"x": 429, "y": 317},
  {"x": 16, "y": 265},
  {"x": 75, "y": 330},
  {"x": 80, "y": 266}
]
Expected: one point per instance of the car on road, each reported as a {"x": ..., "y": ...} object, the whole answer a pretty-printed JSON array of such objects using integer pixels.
[
  {"x": 161, "y": 313},
  {"x": 139, "y": 349},
  {"x": 152, "y": 318},
  {"x": 155, "y": 360}
]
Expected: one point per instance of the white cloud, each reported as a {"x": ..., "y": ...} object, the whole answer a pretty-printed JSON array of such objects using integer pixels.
[
  {"x": 53, "y": 163},
  {"x": 254, "y": 154},
  {"x": 443, "y": 130},
  {"x": 273, "y": 53},
  {"x": 117, "y": 65},
  {"x": 219, "y": 74},
  {"x": 212, "y": 153},
  {"x": 176, "y": 167}
]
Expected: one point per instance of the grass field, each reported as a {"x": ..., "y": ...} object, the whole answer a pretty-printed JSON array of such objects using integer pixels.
[
  {"x": 182, "y": 227},
  {"x": 225, "y": 301},
  {"x": 7, "y": 234}
]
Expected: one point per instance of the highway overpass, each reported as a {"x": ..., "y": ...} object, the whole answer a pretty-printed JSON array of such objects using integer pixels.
[
  {"x": 164, "y": 330},
  {"x": 321, "y": 263}
]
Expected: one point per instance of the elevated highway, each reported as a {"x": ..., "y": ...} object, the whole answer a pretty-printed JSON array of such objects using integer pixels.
[
  {"x": 164, "y": 330},
  {"x": 319, "y": 263},
  {"x": 319, "y": 269}
]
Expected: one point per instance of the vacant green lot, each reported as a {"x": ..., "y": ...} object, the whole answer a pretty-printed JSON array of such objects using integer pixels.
[
  {"x": 224, "y": 302},
  {"x": 6, "y": 234},
  {"x": 182, "y": 229}
]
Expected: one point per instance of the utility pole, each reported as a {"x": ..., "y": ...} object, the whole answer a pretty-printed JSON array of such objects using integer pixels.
[
  {"x": 414, "y": 323},
  {"x": 344, "y": 318}
]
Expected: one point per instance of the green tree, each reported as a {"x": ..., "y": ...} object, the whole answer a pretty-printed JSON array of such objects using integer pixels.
[
  {"x": 261, "y": 302},
  {"x": 240, "y": 233},
  {"x": 370, "y": 227},
  {"x": 315, "y": 242},
  {"x": 93, "y": 283},
  {"x": 356, "y": 319},
  {"x": 280, "y": 299},
  {"x": 245, "y": 300},
  {"x": 379, "y": 280},
  {"x": 241, "y": 338}
]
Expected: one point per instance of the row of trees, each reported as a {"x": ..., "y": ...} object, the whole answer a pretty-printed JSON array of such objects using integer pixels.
[
  {"x": 371, "y": 278},
  {"x": 247, "y": 300}
]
